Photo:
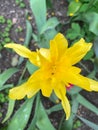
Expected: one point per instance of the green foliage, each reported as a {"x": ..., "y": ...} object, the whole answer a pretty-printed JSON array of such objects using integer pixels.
[
  {"x": 40, "y": 118},
  {"x": 20, "y": 3},
  {"x": 2, "y": 19},
  {"x": 3, "y": 97},
  {"x": 5, "y": 32},
  {"x": 10, "y": 110},
  {"x": 22, "y": 115},
  {"x": 46, "y": 28},
  {"x": 39, "y": 11},
  {"x": 77, "y": 124},
  {"x": 89, "y": 123},
  {"x": 83, "y": 23},
  {"x": 73, "y": 7},
  {"x": 74, "y": 32}
]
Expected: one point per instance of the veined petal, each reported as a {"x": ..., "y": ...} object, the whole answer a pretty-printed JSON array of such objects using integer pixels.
[
  {"x": 60, "y": 92},
  {"x": 78, "y": 51},
  {"x": 18, "y": 92},
  {"x": 46, "y": 88},
  {"x": 45, "y": 53},
  {"x": 21, "y": 50},
  {"x": 77, "y": 80},
  {"x": 42, "y": 60},
  {"x": 93, "y": 84},
  {"x": 75, "y": 70},
  {"x": 34, "y": 90},
  {"x": 24, "y": 52},
  {"x": 61, "y": 43},
  {"x": 30, "y": 88}
]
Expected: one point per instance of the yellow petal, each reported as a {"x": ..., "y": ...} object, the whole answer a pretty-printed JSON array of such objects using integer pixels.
[
  {"x": 45, "y": 53},
  {"x": 61, "y": 43},
  {"x": 78, "y": 80},
  {"x": 46, "y": 88},
  {"x": 21, "y": 50},
  {"x": 33, "y": 91},
  {"x": 53, "y": 50},
  {"x": 75, "y": 70},
  {"x": 93, "y": 84},
  {"x": 30, "y": 88},
  {"x": 24, "y": 52},
  {"x": 78, "y": 51},
  {"x": 18, "y": 92},
  {"x": 60, "y": 92}
]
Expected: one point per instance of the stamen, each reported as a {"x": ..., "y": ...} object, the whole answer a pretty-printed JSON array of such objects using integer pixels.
[{"x": 69, "y": 86}]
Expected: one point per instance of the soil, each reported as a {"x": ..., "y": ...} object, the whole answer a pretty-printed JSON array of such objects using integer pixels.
[{"x": 10, "y": 10}]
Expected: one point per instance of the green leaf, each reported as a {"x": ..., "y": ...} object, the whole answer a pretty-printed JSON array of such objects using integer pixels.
[
  {"x": 31, "y": 68},
  {"x": 67, "y": 124},
  {"x": 54, "y": 109},
  {"x": 84, "y": 7},
  {"x": 75, "y": 90},
  {"x": 50, "y": 24},
  {"x": 87, "y": 104},
  {"x": 6, "y": 75},
  {"x": 75, "y": 105},
  {"x": 40, "y": 120},
  {"x": 21, "y": 117},
  {"x": 38, "y": 8},
  {"x": 6, "y": 86},
  {"x": 96, "y": 46},
  {"x": 73, "y": 7},
  {"x": 10, "y": 110},
  {"x": 89, "y": 55},
  {"x": 74, "y": 31},
  {"x": 89, "y": 123},
  {"x": 43, "y": 122},
  {"x": 28, "y": 33},
  {"x": 32, "y": 126},
  {"x": 46, "y": 37},
  {"x": 92, "y": 19}
]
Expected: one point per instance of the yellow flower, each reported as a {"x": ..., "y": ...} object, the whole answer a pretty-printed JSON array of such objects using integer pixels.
[
  {"x": 56, "y": 70},
  {"x": 71, "y": 14},
  {"x": 77, "y": 0}
]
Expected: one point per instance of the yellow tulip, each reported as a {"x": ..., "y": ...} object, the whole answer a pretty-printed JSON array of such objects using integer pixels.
[{"x": 56, "y": 70}]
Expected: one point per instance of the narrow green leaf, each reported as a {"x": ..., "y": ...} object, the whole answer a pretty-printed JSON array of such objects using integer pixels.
[
  {"x": 92, "y": 19},
  {"x": 28, "y": 33},
  {"x": 50, "y": 24},
  {"x": 87, "y": 104},
  {"x": 38, "y": 8},
  {"x": 89, "y": 123},
  {"x": 67, "y": 124},
  {"x": 32, "y": 126},
  {"x": 6, "y": 86},
  {"x": 40, "y": 120},
  {"x": 10, "y": 110},
  {"x": 54, "y": 109},
  {"x": 74, "y": 90},
  {"x": 6, "y": 75},
  {"x": 43, "y": 122},
  {"x": 75, "y": 104},
  {"x": 46, "y": 37},
  {"x": 89, "y": 55},
  {"x": 21, "y": 117},
  {"x": 96, "y": 46}
]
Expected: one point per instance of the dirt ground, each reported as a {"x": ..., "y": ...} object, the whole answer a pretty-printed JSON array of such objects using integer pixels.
[{"x": 10, "y": 10}]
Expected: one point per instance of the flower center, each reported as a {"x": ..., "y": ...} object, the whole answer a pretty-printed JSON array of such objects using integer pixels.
[{"x": 53, "y": 69}]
